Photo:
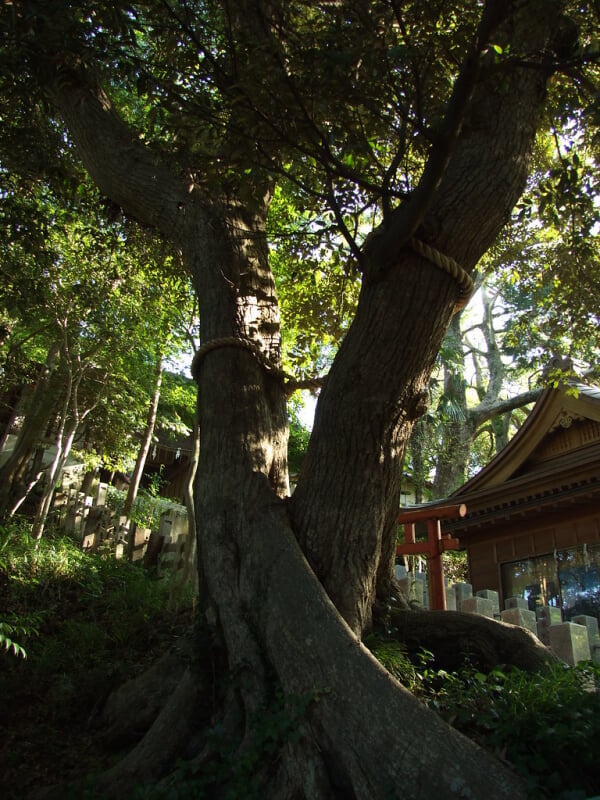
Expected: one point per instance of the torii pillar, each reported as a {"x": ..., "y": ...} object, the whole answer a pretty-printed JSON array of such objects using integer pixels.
[{"x": 433, "y": 548}]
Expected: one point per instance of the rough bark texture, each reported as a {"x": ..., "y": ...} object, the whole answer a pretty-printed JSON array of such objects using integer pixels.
[
  {"x": 290, "y": 584},
  {"x": 352, "y": 759},
  {"x": 344, "y": 502}
]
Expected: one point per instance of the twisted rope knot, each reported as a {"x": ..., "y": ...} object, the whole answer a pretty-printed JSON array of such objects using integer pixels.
[
  {"x": 449, "y": 265},
  {"x": 289, "y": 382}
]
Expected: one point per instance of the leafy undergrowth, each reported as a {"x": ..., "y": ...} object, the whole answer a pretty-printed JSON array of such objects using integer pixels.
[
  {"x": 86, "y": 623},
  {"x": 75, "y": 626},
  {"x": 546, "y": 724}
]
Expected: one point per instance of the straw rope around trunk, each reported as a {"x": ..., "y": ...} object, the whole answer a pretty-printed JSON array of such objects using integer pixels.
[
  {"x": 290, "y": 383},
  {"x": 449, "y": 265},
  {"x": 443, "y": 262}
]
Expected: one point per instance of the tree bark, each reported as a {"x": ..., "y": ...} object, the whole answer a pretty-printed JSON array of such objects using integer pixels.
[
  {"x": 34, "y": 425},
  {"x": 140, "y": 462},
  {"x": 454, "y": 637},
  {"x": 345, "y": 502}
]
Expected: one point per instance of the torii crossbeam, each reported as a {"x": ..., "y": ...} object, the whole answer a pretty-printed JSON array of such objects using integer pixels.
[{"x": 433, "y": 548}]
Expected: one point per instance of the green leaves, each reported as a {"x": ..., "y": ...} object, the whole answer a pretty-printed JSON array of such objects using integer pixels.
[
  {"x": 546, "y": 265},
  {"x": 7, "y": 631},
  {"x": 77, "y": 274},
  {"x": 317, "y": 283},
  {"x": 536, "y": 721}
]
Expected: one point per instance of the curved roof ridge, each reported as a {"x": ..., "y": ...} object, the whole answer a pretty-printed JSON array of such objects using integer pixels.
[{"x": 537, "y": 425}]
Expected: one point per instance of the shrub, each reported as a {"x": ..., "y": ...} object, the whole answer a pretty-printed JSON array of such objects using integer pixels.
[
  {"x": 147, "y": 509},
  {"x": 94, "y": 615},
  {"x": 394, "y": 657},
  {"x": 546, "y": 724}
]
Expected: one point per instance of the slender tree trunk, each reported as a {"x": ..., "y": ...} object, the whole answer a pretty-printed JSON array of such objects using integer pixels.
[
  {"x": 51, "y": 473},
  {"x": 140, "y": 463},
  {"x": 64, "y": 440},
  {"x": 191, "y": 550},
  {"x": 63, "y": 449},
  {"x": 34, "y": 425}
]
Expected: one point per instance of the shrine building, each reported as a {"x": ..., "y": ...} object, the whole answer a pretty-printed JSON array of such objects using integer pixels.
[{"x": 532, "y": 526}]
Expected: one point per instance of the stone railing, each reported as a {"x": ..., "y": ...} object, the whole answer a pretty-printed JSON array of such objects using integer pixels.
[
  {"x": 574, "y": 641},
  {"x": 89, "y": 520}
]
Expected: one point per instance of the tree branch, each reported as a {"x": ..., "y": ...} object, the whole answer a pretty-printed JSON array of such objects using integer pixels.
[
  {"x": 124, "y": 169},
  {"x": 406, "y": 219},
  {"x": 485, "y": 412}
]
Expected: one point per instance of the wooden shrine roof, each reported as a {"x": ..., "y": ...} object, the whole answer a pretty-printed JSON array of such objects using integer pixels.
[{"x": 551, "y": 463}]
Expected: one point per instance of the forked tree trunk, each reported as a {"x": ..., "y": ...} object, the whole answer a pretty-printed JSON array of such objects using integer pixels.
[
  {"x": 346, "y": 499},
  {"x": 290, "y": 584}
]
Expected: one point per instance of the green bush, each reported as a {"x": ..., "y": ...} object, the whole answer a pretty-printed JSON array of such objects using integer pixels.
[
  {"x": 10, "y": 629},
  {"x": 84, "y": 618},
  {"x": 546, "y": 724},
  {"x": 147, "y": 509},
  {"x": 394, "y": 657}
]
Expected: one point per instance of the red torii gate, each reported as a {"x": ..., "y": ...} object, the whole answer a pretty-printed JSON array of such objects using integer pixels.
[{"x": 433, "y": 548}]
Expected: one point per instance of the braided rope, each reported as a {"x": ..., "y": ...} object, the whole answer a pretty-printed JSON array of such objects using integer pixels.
[
  {"x": 449, "y": 265},
  {"x": 290, "y": 383},
  {"x": 234, "y": 341}
]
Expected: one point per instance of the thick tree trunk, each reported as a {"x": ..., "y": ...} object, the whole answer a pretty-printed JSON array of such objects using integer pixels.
[
  {"x": 339, "y": 753},
  {"x": 291, "y": 583},
  {"x": 345, "y": 502}
]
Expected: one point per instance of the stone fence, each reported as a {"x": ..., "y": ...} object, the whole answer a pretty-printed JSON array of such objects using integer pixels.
[
  {"x": 574, "y": 641},
  {"x": 90, "y": 520}
]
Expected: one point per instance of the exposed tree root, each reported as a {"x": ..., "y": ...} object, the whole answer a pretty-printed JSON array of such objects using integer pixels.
[
  {"x": 131, "y": 710},
  {"x": 164, "y": 744},
  {"x": 454, "y": 637},
  {"x": 359, "y": 714},
  {"x": 354, "y": 732}
]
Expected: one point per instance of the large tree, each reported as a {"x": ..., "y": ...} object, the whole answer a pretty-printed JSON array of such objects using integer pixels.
[{"x": 427, "y": 112}]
